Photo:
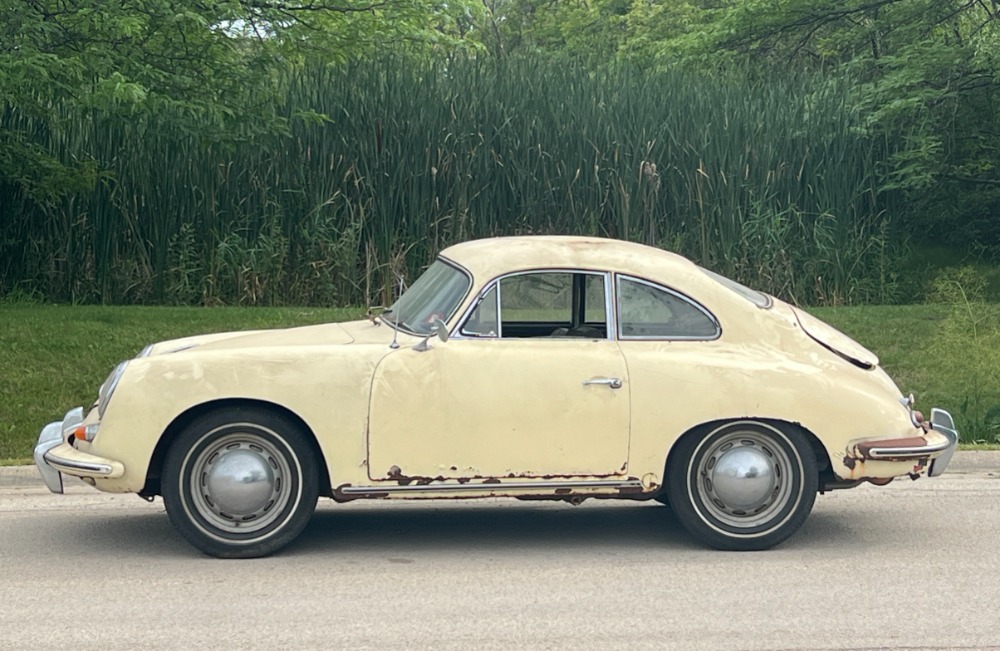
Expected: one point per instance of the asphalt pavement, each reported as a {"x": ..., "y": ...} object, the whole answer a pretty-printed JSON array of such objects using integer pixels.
[{"x": 913, "y": 565}]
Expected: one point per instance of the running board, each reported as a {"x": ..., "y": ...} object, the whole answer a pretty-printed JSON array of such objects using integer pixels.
[{"x": 493, "y": 486}]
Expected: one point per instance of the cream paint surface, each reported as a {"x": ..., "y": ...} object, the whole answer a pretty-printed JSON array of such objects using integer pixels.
[
  {"x": 513, "y": 407},
  {"x": 494, "y": 408}
]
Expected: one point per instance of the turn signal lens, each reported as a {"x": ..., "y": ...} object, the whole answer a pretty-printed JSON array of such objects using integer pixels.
[{"x": 85, "y": 432}]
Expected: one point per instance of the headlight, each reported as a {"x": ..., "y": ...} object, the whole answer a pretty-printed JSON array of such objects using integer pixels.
[{"x": 108, "y": 388}]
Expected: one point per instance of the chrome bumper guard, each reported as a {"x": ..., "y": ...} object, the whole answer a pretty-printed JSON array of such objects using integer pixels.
[
  {"x": 942, "y": 450},
  {"x": 942, "y": 422},
  {"x": 51, "y": 436},
  {"x": 54, "y": 456}
]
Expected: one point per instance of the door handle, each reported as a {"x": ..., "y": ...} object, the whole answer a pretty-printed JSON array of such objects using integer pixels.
[{"x": 612, "y": 382}]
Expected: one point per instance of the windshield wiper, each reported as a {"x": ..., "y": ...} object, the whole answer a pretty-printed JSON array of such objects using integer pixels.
[{"x": 397, "y": 322}]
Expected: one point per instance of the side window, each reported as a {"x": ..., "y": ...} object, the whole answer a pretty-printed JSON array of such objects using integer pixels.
[
  {"x": 645, "y": 311},
  {"x": 542, "y": 304},
  {"x": 483, "y": 321},
  {"x": 537, "y": 298}
]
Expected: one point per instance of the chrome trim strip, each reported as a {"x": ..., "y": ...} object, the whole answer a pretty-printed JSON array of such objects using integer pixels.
[
  {"x": 499, "y": 314},
  {"x": 610, "y": 305},
  {"x": 911, "y": 452},
  {"x": 499, "y": 486},
  {"x": 69, "y": 464}
]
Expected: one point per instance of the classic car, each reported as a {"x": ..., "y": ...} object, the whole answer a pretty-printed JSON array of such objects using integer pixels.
[{"x": 540, "y": 367}]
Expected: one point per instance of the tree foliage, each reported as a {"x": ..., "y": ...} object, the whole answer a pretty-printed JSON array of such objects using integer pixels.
[
  {"x": 207, "y": 67},
  {"x": 926, "y": 74}
]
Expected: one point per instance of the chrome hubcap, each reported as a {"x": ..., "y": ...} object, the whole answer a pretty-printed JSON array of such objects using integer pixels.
[
  {"x": 240, "y": 483},
  {"x": 744, "y": 479}
]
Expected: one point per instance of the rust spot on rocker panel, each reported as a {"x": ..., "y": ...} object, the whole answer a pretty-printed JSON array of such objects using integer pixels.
[{"x": 395, "y": 472}]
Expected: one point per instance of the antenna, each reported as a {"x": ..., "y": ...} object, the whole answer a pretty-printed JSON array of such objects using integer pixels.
[{"x": 395, "y": 330}]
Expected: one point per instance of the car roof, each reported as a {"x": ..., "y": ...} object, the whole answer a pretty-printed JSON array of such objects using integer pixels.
[{"x": 489, "y": 258}]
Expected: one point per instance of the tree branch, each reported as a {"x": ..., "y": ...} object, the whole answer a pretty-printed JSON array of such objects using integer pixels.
[{"x": 268, "y": 5}]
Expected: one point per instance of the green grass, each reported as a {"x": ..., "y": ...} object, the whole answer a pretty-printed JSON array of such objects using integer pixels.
[
  {"x": 53, "y": 358},
  {"x": 938, "y": 367}
]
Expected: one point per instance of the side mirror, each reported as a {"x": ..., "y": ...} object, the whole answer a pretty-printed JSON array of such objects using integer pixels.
[{"x": 440, "y": 329}]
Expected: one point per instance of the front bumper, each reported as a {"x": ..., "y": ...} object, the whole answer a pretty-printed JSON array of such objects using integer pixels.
[
  {"x": 55, "y": 455},
  {"x": 935, "y": 446}
]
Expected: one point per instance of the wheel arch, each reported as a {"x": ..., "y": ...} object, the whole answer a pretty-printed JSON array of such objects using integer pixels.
[
  {"x": 822, "y": 455},
  {"x": 154, "y": 470}
]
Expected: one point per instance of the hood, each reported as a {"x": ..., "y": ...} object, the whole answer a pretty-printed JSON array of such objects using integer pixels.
[
  {"x": 835, "y": 340},
  {"x": 326, "y": 334}
]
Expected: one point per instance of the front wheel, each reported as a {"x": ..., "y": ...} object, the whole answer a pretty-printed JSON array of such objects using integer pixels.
[
  {"x": 744, "y": 486},
  {"x": 240, "y": 483}
]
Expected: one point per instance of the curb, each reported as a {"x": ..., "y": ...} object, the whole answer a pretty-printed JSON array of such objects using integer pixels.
[
  {"x": 19, "y": 476},
  {"x": 981, "y": 462},
  {"x": 965, "y": 462}
]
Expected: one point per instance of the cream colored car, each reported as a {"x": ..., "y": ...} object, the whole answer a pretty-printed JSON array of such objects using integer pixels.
[{"x": 558, "y": 368}]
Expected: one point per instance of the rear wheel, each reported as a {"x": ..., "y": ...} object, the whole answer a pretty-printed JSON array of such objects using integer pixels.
[
  {"x": 240, "y": 483},
  {"x": 746, "y": 486}
]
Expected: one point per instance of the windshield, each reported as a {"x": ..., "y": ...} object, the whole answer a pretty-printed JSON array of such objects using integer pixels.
[
  {"x": 436, "y": 295},
  {"x": 757, "y": 298}
]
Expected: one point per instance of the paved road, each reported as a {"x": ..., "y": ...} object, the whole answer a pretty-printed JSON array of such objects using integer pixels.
[{"x": 914, "y": 565}]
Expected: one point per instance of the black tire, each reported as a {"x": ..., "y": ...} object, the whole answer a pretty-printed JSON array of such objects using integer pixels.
[
  {"x": 743, "y": 486},
  {"x": 240, "y": 482}
]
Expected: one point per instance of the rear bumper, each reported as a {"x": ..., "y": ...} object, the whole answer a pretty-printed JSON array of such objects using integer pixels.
[
  {"x": 55, "y": 455},
  {"x": 934, "y": 447}
]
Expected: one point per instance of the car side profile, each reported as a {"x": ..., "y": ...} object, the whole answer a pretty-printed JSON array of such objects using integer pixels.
[{"x": 539, "y": 367}]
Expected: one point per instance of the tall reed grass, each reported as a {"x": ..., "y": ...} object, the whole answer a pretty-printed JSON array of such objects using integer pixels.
[{"x": 773, "y": 183}]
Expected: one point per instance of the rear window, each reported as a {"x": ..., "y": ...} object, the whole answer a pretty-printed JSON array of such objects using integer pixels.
[{"x": 759, "y": 299}]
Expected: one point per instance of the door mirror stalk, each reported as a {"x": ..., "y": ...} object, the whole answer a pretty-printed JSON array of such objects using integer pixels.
[{"x": 440, "y": 329}]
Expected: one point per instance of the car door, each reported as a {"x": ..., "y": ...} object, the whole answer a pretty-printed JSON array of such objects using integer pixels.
[{"x": 550, "y": 398}]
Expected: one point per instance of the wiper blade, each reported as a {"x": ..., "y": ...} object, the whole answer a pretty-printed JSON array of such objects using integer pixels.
[{"x": 396, "y": 323}]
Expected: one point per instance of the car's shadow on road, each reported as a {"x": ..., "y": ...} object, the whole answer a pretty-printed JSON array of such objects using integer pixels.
[
  {"x": 399, "y": 530},
  {"x": 487, "y": 528}
]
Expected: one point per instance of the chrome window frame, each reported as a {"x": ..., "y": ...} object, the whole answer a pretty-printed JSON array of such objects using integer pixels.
[
  {"x": 683, "y": 297},
  {"x": 610, "y": 315},
  {"x": 460, "y": 332}
]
